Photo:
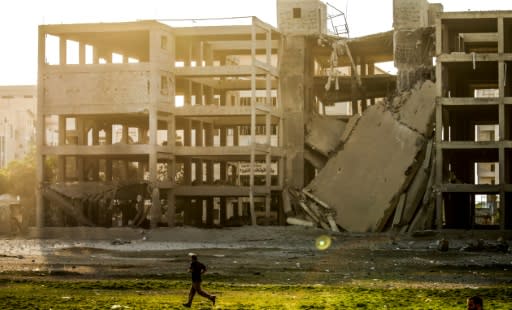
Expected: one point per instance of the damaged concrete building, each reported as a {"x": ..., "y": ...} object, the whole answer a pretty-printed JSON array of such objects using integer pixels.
[{"x": 229, "y": 125}]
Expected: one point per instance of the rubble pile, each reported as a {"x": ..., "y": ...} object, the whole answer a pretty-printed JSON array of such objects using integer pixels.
[{"x": 381, "y": 177}]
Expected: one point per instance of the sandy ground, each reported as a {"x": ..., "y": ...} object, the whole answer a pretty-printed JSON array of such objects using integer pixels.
[{"x": 259, "y": 255}]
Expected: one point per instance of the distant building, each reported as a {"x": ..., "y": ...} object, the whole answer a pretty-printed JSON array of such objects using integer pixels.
[{"x": 17, "y": 118}]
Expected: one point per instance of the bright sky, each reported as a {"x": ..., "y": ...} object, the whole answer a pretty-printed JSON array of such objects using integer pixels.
[{"x": 19, "y": 20}]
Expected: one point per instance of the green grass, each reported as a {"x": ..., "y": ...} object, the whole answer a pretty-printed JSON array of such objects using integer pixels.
[{"x": 170, "y": 294}]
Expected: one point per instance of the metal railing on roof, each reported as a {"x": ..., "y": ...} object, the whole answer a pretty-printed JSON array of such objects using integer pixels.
[{"x": 337, "y": 20}]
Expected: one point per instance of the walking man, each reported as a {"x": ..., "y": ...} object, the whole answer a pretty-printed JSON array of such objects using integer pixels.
[{"x": 197, "y": 269}]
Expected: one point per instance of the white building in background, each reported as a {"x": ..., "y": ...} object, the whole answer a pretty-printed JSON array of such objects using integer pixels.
[{"x": 17, "y": 121}]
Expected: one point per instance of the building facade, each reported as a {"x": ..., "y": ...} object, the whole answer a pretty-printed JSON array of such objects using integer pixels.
[
  {"x": 17, "y": 122},
  {"x": 473, "y": 142}
]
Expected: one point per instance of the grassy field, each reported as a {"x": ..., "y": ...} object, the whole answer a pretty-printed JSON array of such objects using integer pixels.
[{"x": 170, "y": 294}]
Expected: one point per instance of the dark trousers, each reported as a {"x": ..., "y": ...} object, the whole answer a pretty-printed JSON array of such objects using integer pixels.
[{"x": 196, "y": 288}]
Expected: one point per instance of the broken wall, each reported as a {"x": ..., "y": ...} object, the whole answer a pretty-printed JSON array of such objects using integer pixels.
[
  {"x": 413, "y": 41},
  {"x": 363, "y": 181}
]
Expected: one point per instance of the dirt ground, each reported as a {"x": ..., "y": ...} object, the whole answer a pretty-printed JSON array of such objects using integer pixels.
[{"x": 261, "y": 255}]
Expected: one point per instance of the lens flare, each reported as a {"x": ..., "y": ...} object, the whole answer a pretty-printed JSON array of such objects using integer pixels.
[{"x": 323, "y": 242}]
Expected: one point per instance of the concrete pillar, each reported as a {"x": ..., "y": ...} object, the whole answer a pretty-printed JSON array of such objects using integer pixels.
[
  {"x": 223, "y": 136},
  {"x": 124, "y": 135},
  {"x": 210, "y": 172},
  {"x": 61, "y": 161},
  {"x": 223, "y": 165},
  {"x": 187, "y": 133},
  {"x": 199, "y": 134},
  {"x": 81, "y": 140},
  {"x": 223, "y": 211},
  {"x": 199, "y": 170},
  {"x": 236, "y": 136},
  {"x": 153, "y": 123},
  {"x": 140, "y": 170},
  {"x": 156, "y": 208},
  {"x": 199, "y": 93},
  {"x": 295, "y": 66},
  {"x": 123, "y": 165},
  {"x": 61, "y": 168},
  {"x": 62, "y": 51},
  {"x": 95, "y": 55},
  {"x": 223, "y": 171},
  {"x": 40, "y": 126},
  {"x": 108, "y": 162},
  {"x": 209, "y": 211},
  {"x": 171, "y": 208},
  {"x": 208, "y": 134},
  {"x": 187, "y": 171},
  {"x": 108, "y": 170},
  {"x": 81, "y": 53}
]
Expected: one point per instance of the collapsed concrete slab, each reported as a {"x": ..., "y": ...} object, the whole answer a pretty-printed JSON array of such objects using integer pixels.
[{"x": 363, "y": 181}]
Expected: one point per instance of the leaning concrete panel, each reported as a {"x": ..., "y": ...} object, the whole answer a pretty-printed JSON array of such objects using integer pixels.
[{"x": 361, "y": 180}]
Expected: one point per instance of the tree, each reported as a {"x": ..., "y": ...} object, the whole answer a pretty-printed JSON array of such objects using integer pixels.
[{"x": 19, "y": 179}]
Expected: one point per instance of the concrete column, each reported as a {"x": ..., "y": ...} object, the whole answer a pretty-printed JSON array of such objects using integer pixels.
[
  {"x": 199, "y": 93},
  {"x": 108, "y": 135},
  {"x": 209, "y": 211},
  {"x": 81, "y": 53},
  {"x": 140, "y": 171},
  {"x": 171, "y": 208},
  {"x": 187, "y": 171},
  {"x": 156, "y": 208},
  {"x": 187, "y": 133},
  {"x": 223, "y": 171},
  {"x": 61, "y": 168},
  {"x": 209, "y": 134},
  {"x": 223, "y": 211},
  {"x": 153, "y": 123},
  {"x": 171, "y": 132},
  {"x": 236, "y": 136},
  {"x": 95, "y": 55},
  {"x": 223, "y": 136},
  {"x": 295, "y": 66},
  {"x": 62, "y": 51},
  {"x": 189, "y": 92},
  {"x": 95, "y": 135},
  {"x": 108, "y": 170},
  {"x": 209, "y": 172},
  {"x": 40, "y": 126},
  {"x": 123, "y": 165},
  {"x": 199, "y": 134},
  {"x": 108, "y": 162},
  {"x": 62, "y": 130},
  {"x": 223, "y": 164},
  {"x": 81, "y": 140},
  {"x": 199, "y": 170},
  {"x": 124, "y": 135}
]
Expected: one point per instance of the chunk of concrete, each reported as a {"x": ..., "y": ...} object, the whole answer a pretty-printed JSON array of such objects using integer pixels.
[{"x": 323, "y": 134}]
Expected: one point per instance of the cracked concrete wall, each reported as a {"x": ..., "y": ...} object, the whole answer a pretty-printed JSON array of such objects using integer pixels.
[
  {"x": 361, "y": 182},
  {"x": 413, "y": 41}
]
